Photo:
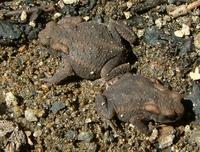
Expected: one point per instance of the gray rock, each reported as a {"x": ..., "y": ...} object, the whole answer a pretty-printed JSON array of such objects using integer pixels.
[
  {"x": 57, "y": 106},
  {"x": 154, "y": 36},
  {"x": 194, "y": 97},
  {"x": 71, "y": 134},
  {"x": 85, "y": 136},
  {"x": 194, "y": 137},
  {"x": 9, "y": 32},
  {"x": 186, "y": 47}
]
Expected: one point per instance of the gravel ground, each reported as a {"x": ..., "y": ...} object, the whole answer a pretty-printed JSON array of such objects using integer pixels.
[{"x": 37, "y": 117}]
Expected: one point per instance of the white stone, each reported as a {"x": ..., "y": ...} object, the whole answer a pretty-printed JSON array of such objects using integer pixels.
[
  {"x": 23, "y": 16},
  {"x": 37, "y": 133},
  {"x": 92, "y": 72},
  {"x": 197, "y": 41},
  {"x": 70, "y": 1},
  {"x": 61, "y": 4},
  {"x": 127, "y": 15},
  {"x": 129, "y": 4},
  {"x": 30, "y": 115},
  {"x": 179, "y": 33},
  {"x": 32, "y": 23},
  {"x": 166, "y": 141},
  {"x": 140, "y": 33},
  {"x": 195, "y": 75},
  {"x": 185, "y": 29},
  {"x": 158, "y": 23},
  {"x": 56, "y": 15},
  {"x": 86, "y": 18},
  {"x": 187, "y": 128},
  {"x": 10, "y": 99}
]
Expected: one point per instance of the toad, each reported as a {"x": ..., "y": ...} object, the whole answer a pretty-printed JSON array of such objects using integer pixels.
[
  {"x": 90, "y": 50},
  {"x": 139, "y": 100}
]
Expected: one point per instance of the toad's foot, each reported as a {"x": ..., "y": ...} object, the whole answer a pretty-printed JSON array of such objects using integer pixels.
[{"x": 62, "y": 73}]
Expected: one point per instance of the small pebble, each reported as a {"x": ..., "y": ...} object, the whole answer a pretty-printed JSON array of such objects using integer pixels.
[
  {"x": 195, "y": 75},
  {"x": 11, "y": 99},
  {"x": 23, "y": 16},
  {"x": 86, "y": 136},
  {"x": 88, "y": 120},
  {"x": 154, "y": 36},
  {"x": 108, "y": 137},
  {"x": 166, "y": 136},
  {"x": 37, "y": 133},
  {"x": 172, "y": 1},
  {"x": 129, "y": 4},
  {"x": 185, "y": 29},
  {"x": 10, "y": 32},
  {"x": 28, "y": 134},
  {"x": 86, "y": 18},
  {"x": 71, "y": 134},
  {"x": 140, "y": 33},
  {"x": 56, "y": 15},
  {"x": 187, "y": 128},
  {"x": 127, "y": 14},
  {"x": 179, "y": 33},
  {"x": 32, "y": 23},
  {"x": 30, "y": 115},
  {"x": 57, "y": 106},
  {"x": 194, "y": 137},
  {"x": 6, "y": 127},
  {"x": 92, "y": 147},
  {"x": 61, "y": 4},
  {"x": 186, "y": 47},
  {"x": 158, "y": 23},
  {"x": 154, "y": 135},
  {"x": 70, "y": 1},
  {"x": 197, "y": 41},
  {"x": 166, "y": 18},
  {"x": 18, "y": 137}
]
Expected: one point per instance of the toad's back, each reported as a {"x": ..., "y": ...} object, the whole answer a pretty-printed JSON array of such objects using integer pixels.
[
  {"x": 92, "y": 45},
  {"x": 130, "y": 92}
]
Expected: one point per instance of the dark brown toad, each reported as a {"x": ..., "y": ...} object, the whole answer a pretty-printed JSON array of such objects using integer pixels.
[
  {"x": 90, "y": 50},
  {"x": 139, "y": 100}
]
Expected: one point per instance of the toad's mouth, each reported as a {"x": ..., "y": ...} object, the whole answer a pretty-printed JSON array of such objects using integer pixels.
[{"x": 165, "y": 119}]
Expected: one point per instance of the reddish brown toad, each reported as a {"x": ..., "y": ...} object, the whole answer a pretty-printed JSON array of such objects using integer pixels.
[
  {"x": 91, "y": 50},
  {"x": 138, "y": 100}
]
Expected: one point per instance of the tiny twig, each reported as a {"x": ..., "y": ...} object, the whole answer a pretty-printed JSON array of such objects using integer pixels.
[
  {"x": 184, "y": 9},
  {"x": 7, "y": 13}
]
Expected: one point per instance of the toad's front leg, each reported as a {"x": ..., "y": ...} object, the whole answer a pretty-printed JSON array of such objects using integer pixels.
[
  {"x": 63, "y": 72},
  {"x": 140, "y": 123},
  {"x": 105, "y": 110}
]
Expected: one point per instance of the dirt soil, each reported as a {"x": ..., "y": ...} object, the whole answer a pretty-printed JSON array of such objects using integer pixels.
[{"x": 63, "y": 117}]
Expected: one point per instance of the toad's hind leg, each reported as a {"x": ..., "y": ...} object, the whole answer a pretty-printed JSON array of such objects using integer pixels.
[
  {"x": 140, "y": 124},
  {"x": 123, "y": 31},
  {"x": 62, "y": 73},
  {"x": 113, "y": 68}
]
